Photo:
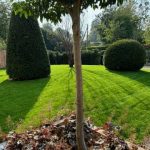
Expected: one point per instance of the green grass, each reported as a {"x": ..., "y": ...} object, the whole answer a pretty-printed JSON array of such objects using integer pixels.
[{"x": 123, "y": 97}]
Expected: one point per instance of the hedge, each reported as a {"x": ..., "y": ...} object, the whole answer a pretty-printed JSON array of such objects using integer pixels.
[
  {"x": 125, "y": 55},
  {"x": 88, "y": 57},
  {"x": 98, "y": 48},
  {"x": 26, "y": 52}
]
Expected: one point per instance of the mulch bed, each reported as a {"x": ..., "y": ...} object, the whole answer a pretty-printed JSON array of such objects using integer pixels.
[{"x": 60, "y": 135}]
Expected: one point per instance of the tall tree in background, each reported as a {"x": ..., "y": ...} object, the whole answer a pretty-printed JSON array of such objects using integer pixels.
[
  {"x": 52, "y": 40},
  {"x": 64, "y": 33},
  {"x": 53, "y": 10},
  {"x": 5, "y": 11},
  {"x": 66, "y": 39},
  {"x": 147, "y": 35},
  {"x": 118, "y": 23},
  {"x": 128, "y": 21},
  {"x": 144, "y": 13}
]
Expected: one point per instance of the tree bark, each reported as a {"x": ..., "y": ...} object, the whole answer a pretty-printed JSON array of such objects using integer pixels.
[{"x": 75, "y": 15}]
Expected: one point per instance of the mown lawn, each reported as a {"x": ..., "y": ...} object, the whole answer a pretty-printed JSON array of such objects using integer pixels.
[{"x": 120, "y": 97}]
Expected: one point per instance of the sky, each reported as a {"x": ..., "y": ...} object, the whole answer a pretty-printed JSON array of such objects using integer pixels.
[{"x": 89, "y": 16}]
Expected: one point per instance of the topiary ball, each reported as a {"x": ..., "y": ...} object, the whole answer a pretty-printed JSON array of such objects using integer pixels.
[{"x": 128, "y": 55}]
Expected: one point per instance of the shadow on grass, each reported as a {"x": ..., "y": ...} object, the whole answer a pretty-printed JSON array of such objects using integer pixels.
[
  {"x": 17, "y": 98},
  {"x": 140, "y": 76}
]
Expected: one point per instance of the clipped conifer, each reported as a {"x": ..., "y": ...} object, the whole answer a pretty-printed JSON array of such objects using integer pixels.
[
  {"x": 26, "y": 52},
  {"x": 125, "y": 55}
]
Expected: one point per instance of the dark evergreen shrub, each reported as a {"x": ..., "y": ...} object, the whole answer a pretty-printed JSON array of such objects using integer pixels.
[
  {"x": 99, "y": 48},
  {"x": 88, "y": 57},
  {"x": 26, "y": 52},
  {"x": 52, "y": 57},
  {"x": 125, "y": 55},
  {"x": 91, "y": 57},
  {"x": 58, "y": 58}
]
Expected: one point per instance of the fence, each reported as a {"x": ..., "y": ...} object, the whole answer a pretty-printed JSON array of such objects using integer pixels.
[{"x": 2, "y": 58}]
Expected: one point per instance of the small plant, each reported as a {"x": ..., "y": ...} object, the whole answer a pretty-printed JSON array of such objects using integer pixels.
[{"x": 125, "y": 55}]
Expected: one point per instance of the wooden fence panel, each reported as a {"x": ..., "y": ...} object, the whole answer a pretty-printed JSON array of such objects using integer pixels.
[{"x": 2, "y": 59}]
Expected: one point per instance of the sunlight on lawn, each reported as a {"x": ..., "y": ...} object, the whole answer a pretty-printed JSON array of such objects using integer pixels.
[{"x": 120, "y": 97}]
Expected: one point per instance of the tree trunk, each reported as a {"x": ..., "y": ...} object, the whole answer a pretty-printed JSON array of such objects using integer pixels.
[{"x": 75, "y": 15}]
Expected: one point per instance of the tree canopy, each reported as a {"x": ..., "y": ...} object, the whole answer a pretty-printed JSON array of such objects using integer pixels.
[
  {"x": 118, "y": 23},
  {"x": 4, "y": 19},
  {"x": 54, "y": 9}
]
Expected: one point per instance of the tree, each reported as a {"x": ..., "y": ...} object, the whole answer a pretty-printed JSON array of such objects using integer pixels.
[
  {"x": 66, "y": 38},
  {"x": 4, "y": 19},
  {"x": 53, "y": 10},
  {"x": 94, "y": 36},
  {"x": 119, "y": 23},
  {"x": 144, "y": 12},
  {"x": 147, "y": 35},
  {"x": 52, "y": 40},
  {"x": 26, "y": 53},
  {"x": 59, "y": 40}
]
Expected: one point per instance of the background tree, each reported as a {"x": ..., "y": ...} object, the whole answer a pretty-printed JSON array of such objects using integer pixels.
[
  {"x": 127, "y": 21},
  {"x": 144, "y": 13},
  {"x": 51, "y": 38},
  {"x": 53, "y": 10},
  {"x": 94, "y": 36},
  {"x": 143, "y": 10},
  {"x": 60, "y": 39},
  {"x": 5, "y": 11},
  {"x": 147, "y": 35},
  {"x": 67, "y": 43},
  {"x": 118, "y": 23}
]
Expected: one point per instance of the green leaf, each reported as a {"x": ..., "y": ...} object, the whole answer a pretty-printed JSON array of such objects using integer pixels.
[{"x": 25, "y": 14}]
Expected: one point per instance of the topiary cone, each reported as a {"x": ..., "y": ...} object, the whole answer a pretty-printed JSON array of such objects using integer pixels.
[{"x": 26, "y": 52}]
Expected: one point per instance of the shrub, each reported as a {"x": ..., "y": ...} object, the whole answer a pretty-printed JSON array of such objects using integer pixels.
[
  {"x": 99, "y": 48},
  {"x": 26, "y": 52},
  {"x": 125, "y": 55},
  {"x": 147, "y": 46},
  {"x": 57, "y": 57},
  {"x": 91, "y": 57},
  {"x": 88, "y": 57}
]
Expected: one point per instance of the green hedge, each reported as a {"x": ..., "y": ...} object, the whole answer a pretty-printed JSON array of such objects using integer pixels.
[
  {"x": 125, "y": 55},
  {"x": 26, "y": 52},
  {"x": 57, "y": 57},
  {"x": 99, "y": 48},
  {"x": 147, "y": 47},
  {"x": 88, "y": 57},
  {"x": 91, "y": 58}
]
